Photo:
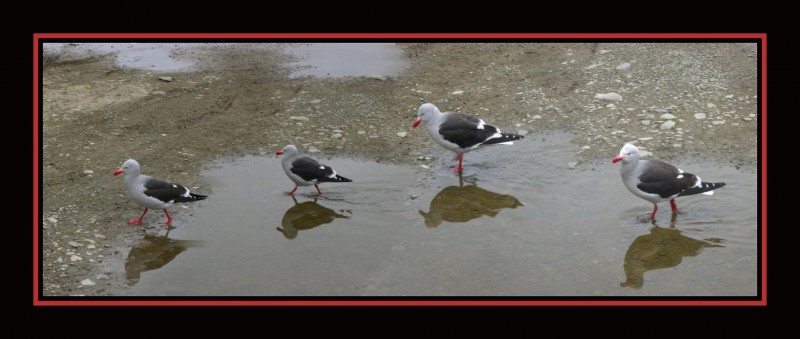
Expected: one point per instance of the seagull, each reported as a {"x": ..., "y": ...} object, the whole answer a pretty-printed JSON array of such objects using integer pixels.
[
  {"x": 153, "y": 193},
  {"x": 657, "y": 181},
  {"x": 460, "y": 132},
  {"x": 305, "y": 171}
]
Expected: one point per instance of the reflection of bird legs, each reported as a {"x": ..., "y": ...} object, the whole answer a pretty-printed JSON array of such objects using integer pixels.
[{"x": 460, "y": 180}]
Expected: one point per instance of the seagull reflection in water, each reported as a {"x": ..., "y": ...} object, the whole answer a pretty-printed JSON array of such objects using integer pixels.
[
  {"x": 305, "y": 216},
  {"x": 464, "y": 203},
  {"x": 153, "y": 252},
  {"x": 662, "y": 248}
]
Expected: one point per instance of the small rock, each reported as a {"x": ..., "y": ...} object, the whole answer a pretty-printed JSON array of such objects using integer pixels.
[
  {"x": 611, "y": 106},
  {"x": 425, "y": 166},
  {"x": 402, "y": 134},
  {"x": 667, "y": 116},
  {"x": 710, "y": 105},
  {"x": 729, "y": 96},
  {"x": 661, "y": 110},
  {"x": 301, "y": 118},
  {"x": 586, "y": 147},
  {"x": 315, "y": 101},
  {"x": 159, "y": 92},
  {"x": 362, "y": 132},
  {"x": 101, "y": 276},
  {"x": 645, "y": 122},
  {"x": 747, "y": 119},
  {"x": 313, "y": 150},
  {"x": 74, "y": 244},
  {"x": 52, "y": 220},
  {"x": 100, "y": 236},
  {"x": 699, "y": 115},
  {"x": 645, "y": 138},
  {"x": 624, "y": 66},
  {"x": 167, "y": 79},
  {"x": 75, "y": 258},
  {"x": 718, "y": 122},
  {"x": 608, "y": 96},
  {"x": 572, "y": 164},
  {"x": 90, "y": 246},
  {"x": 88, "y": 172},
  {"x": 87, "y": 282},
  {"x": 667, "y": 124},
  {"x": 336, "y": 136},
  {"x": 522, "y": 132},
  {"x": 457, "y": 93}
]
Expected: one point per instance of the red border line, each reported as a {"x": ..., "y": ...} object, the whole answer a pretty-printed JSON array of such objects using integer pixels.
[{"x": 36, "y": 184}]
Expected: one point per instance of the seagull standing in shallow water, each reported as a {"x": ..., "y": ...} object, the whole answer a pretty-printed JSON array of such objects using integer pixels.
[{"x": 460, "y": 132}]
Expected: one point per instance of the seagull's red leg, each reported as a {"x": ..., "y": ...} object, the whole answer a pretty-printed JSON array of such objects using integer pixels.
[
  {"x": 674, "y": 208},
  {"x": 138, "y": 221},
  {"x": 292, "y": 192},
  {"x": 320, "y": 192},
  {"x": 169, "y": 219},
  {"x": 655, "y": 209},
  {"x": 460, "y": 159}
]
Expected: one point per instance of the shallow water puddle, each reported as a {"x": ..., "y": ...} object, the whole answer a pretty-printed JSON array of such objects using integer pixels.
[
  {"x": 347, "y": 59},
  {"x": 518, "y": 223},
  {"x": 157, "y": 57}
]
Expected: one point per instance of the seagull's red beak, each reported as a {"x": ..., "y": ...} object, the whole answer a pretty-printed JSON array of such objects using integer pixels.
[
  {"x": 416, "y": 122},
  {"x": 617, "y": 158},
  {"x": 117, "y": 172},
  {"x": 278, "y": 152}
]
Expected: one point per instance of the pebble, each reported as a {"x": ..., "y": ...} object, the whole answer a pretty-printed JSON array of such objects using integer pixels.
[
  {"x": 522, "y": 132},
  {"x": 667, "y": 116},
  {"x": 624, "y": 66},
  {"x": 457, "y": 93},
  {"x": 159, "y": 92},
  {"x": 667, "y": 124},
  {"x": 74, "y": 244},
  {"x": 88, "y": 172},
  {"x": 101, "y": 276},
  {"x": 729, "y": 96},
  {"x": 336, "y": 136},
  {"x": 100, "y": 236},
  {"x": 612, "y": 106},
  {"x": 718, "y": 122},
  {"x": 301, "y": 118},
  {"x": 313, "y": 150},
  {"x": 75, "y": 258},
  {"x": 425, "y": 166},
  {"x": 52, "y": 220},
  {"x": 167, "y": 79},
  {"x": 645, "y": 122},
  {"x": 699, "y": 115},
  {"x": 402, "y": 134},
  {"x": 362, "y": 132},
  {"x": 572, "y": 164},
  {"x": 661, "y": 110},
  {"x": 608, "y": 96},
  {"x": 645, "y": 138},
  {"x": 315, "y": 101},
  {"x": 747, "y": 119},
  {"x": 87, "y": 282},
  {"x": 586, "y": 147}
]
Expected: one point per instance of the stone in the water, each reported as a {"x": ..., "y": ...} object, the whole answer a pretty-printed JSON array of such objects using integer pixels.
[
  {"x": 402, "y": 134},
  {"x": 336, "y": 136},
  {"x": 457, "y": 92},
  {"x": 729, "y": 96},
  {"x": 167, "y": 79},
  {"x": 608, "y": 96},
  {"x": 301, "y": 118},
  {"x": 522, "y": 132},
  {"x": 699, "y": 115},
  {"x": 315, "y": 101},
  {"x": 74, "y": 244},
  {"x": 645, "y": 122},
  {"x": 586, "y": 147},
  {"x": 52, "y": 220},
  {"x": 425, "y": 166},
  {"x": 572, "y": 164},
  {"x": 87, "y": 282},
  {"x": 75, "y": 258},
  {"x": 747, "y": 119},
  {"x": 661, "y": 110},
  {"x": 88, "y": 172},
  {"x": 667, "y": 124},
  {"x": 624, "y": 66},
  {"x": 667, "y": 116},
  {"x": 362, "y": 132},
  {"x": 645, "y": 138},
  {"x": 718, "y": 122}
]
